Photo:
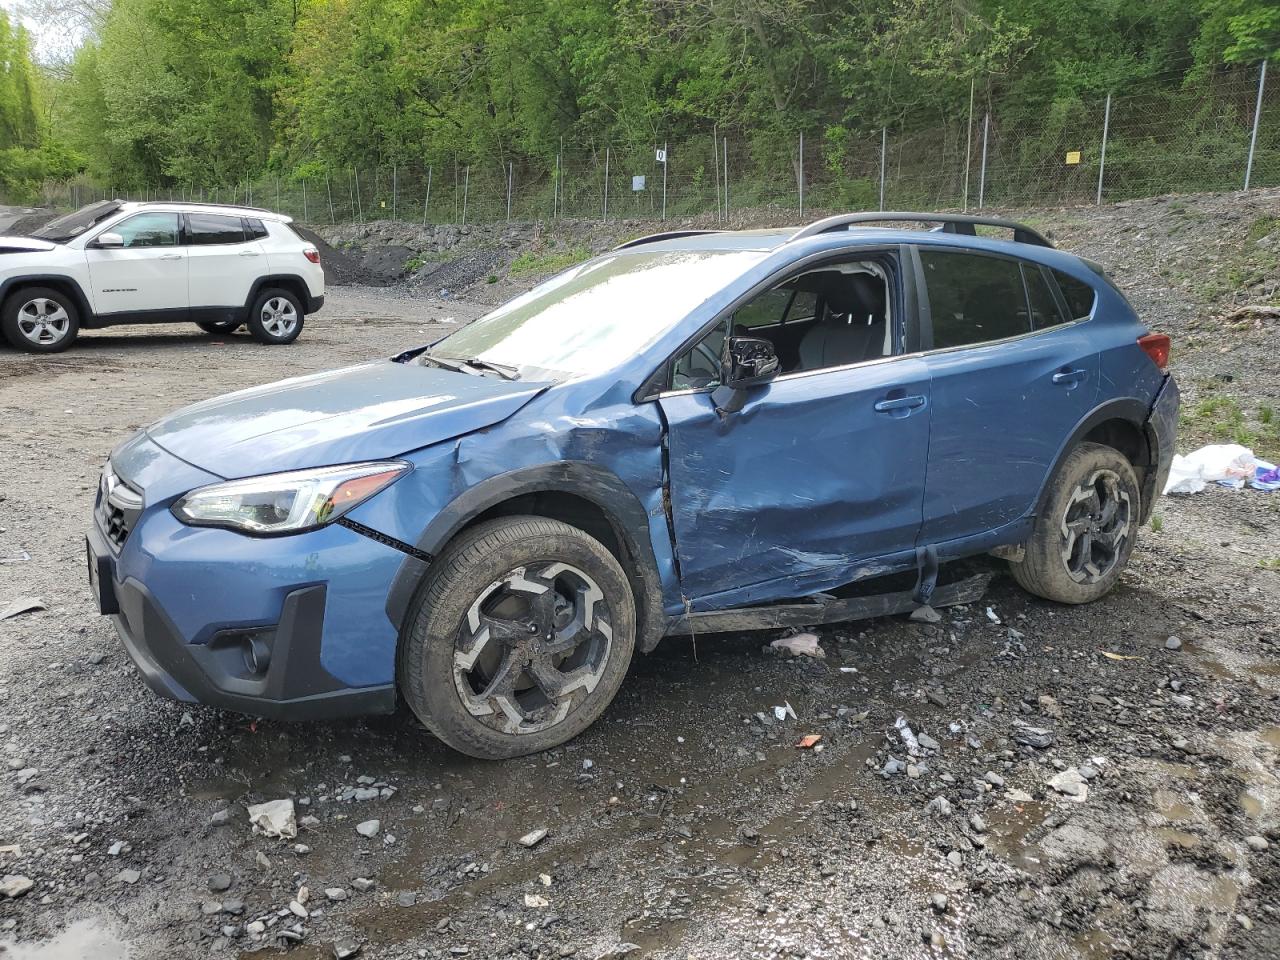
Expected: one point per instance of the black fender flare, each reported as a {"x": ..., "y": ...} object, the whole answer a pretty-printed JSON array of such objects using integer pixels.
[
  {"x": 1129, "y": 409},
  {"x": 601, "y": 487},
  {"x": 87, "y": 315},
  {"x": 278, "y": 279}
]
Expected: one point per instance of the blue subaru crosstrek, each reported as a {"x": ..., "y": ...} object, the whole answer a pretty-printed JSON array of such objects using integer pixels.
[{"x": 696, "y": 431}]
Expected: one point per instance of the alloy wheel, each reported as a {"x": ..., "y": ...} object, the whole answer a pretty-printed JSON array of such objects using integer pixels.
[
  {"x": 43, "y": 321},
  {"x": 279, "y": 317},
  {"x": 532, "y": 647},
  {"x": 1095, "y": 527}
]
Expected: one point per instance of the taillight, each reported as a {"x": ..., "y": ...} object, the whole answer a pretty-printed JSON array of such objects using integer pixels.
[
  {"x": 312, "y": 254},
  {"x": 1156, "y": 346}
]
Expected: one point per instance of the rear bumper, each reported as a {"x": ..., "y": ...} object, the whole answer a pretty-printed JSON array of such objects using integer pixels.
[
  {"x": 293, "y": 684},
  {"x": 1162, "y": 437}
]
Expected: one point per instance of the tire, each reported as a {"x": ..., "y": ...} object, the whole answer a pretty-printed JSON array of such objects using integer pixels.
[
  {"x": 219, "y": 327},
  {"x": 40, "y": 320},
  {"x": 469, "y": 627},
  {"x": 1082, "y": 540},
  {"x": 276, "y": 316}
]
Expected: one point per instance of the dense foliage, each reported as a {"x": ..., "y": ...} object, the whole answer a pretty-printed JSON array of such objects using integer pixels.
[{"x": 214, "y": 91}]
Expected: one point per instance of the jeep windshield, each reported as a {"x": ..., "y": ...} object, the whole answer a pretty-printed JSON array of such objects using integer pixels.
[
  {"x": 71, "y": 225},
  {"x": 594, "y": 316}
]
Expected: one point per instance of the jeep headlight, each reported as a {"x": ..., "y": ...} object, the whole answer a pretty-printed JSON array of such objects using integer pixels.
[{"x": 283, "y": 503}]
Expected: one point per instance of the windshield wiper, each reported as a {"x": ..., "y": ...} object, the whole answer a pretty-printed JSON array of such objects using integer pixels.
[{"x": 460, "y": 365}]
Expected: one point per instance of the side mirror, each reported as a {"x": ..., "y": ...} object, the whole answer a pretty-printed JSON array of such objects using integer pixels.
[
  {"x": 747, "y": 362},
  {"x": 109, "y": 241}
]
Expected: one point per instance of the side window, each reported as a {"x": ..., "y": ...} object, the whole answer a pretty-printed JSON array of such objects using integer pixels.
[
  {"x": 149, "y": 230},
  {"x": 973, "y": 298},
  {"x": 208, "y": 228},
  {"x": 257, "y": 229},
  {"x": 803, "y": 307},
  {"x": 1078, "y": 294},
  {"x": 765, "y": 310},
  {"x": 699, "y": 367},
  {"x": 1044, "y": 306}
]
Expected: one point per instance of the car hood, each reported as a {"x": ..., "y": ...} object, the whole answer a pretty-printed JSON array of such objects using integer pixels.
[
  {"x": 368, "y": 412},
  {"x": 24, "y": 245}
]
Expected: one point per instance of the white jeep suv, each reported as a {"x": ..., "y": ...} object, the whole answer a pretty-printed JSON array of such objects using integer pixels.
[{"x": 122, "y": 262}]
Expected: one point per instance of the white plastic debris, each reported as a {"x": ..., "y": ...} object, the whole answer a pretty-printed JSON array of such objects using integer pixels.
[
  {"x": 781, "y": 713},
  {"x": 908, "y": 738},
  {"x": 274, "y": 819},
  {"x": 1228, "y": 463},
  {"x": 20, "y": 606},
  {"x": 992, "y": 615},
  {"x": 800, "y": 645}
]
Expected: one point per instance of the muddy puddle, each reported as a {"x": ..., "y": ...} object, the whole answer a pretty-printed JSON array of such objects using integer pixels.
[{"x": 82, "y": 940}]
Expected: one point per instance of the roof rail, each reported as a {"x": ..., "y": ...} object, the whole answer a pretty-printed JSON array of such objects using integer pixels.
[
  {"x": 961, "y": 223},
  {"x": 669, "y": 235},
  {"x": 199, "y": 203}
]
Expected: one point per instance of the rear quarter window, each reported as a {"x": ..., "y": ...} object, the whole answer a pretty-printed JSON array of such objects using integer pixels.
[{"x": 1078, "y": 295}]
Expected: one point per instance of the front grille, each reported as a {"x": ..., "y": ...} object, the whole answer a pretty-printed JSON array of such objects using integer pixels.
[{"x": 117, "y": 507}]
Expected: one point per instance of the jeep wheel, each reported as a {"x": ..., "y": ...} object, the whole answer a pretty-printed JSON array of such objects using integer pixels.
[
  {"x": 40, "y": 320},
  {"x": 519, "y": 638},
  {"x": 1082, "y": 540},
  {"x": 219, "y": 327},
  {"x": 276, "y": 317}
]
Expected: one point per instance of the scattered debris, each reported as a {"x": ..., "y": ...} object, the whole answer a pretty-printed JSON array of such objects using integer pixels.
[
  {"x": 1071, "y": 784},
  {"x": 1173, "y": 643},
  {"x": 808, "y": 741},
  {"x": 925, "y": 614},
  {"x": 14, "y": 885},
  {"x": 20, "y": 606},
  {"x": 369, "y": 828},
  {"x": 1035, "y": 737},
  {"x": 781, "y": 713},
  {"x": 799, "y": 645},
  {"x": 533, "y": 837},
  {"x": 275, "y": 818},
  {"x": 908, "y": 738},
  {"x": 536, "y": 901}
]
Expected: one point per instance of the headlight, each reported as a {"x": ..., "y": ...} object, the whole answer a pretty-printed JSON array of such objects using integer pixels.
[{"x": 281, "y": 503}]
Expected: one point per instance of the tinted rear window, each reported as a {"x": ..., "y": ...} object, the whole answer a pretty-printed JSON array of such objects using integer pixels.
[
  {"x": 973, "y": 299},
  {"x": 1044, "y": 305},
  {"x": 257, "y": 229},
  {"x": 208, "y": 228},
  {"x": 1078, "y": 294}
]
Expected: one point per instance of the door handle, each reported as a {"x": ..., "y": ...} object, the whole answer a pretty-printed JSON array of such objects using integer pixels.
[
  {"x": 899, "y": 403},
  {"x": 1070, "y": 377},
  {"x": 170, "y": 256},
  {"x": 248, "y": 253}
]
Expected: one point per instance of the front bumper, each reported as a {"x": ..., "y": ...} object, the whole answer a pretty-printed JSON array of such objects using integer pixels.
[
  {"x": 1162, "y": 437},
  {"x": 294, "y": 684}
]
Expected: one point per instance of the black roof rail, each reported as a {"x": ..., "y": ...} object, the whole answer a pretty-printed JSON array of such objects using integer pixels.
[
  {"x": 201, "y": 203},
  {"x": 669, "y": 235},
  {"x": 961, "y": 223}
]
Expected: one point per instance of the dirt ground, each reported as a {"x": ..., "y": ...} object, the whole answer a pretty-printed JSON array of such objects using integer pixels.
[{"x": 685, "y": 823}]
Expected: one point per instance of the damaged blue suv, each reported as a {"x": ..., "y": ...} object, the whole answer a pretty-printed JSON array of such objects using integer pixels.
[{"x": 700, "y": 430}]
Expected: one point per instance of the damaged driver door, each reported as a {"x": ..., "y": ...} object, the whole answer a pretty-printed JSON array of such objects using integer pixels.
[{"x": 816, "y": 481}]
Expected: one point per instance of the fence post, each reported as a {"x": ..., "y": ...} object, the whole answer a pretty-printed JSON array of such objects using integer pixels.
[
  {"x": 510, "y": 181},
  {"x": 306, "y": 215},
  {"x": 466, "y": 188},
  {"x": 982, "y": 175},
  {"x": 801, "y": 176},
  {"x": 355, "y": 175},
  {"x": 278, "y": 194},
  {"x": 426, "y": 204},
  {"x": 715, "y": 160},
  {"x": 1102, "y": 156},
  {"x": 1257, "y": 114},
  {"x": 884, "y": 146},
  {"x": 395, "y": 188},
  {"x": 666, "y": 158},
  {"x": 555, "y": 191},
  {"x": 968, "y": 146},
  {"x": 606, "y": 183},
  {"x": 328, "y": 189},
  {"x": 726, "y": 179}
]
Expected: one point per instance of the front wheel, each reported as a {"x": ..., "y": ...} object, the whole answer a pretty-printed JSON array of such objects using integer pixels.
[
  {"x": 519, "y": 638},
  {"x": 40, "y": 320},
  {"x": 1082, "y": 539},
  {"x": 276, "y": 317}
]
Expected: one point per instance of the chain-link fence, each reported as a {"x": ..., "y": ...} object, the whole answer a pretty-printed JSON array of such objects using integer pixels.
[{"x": 1219, "y": 133}]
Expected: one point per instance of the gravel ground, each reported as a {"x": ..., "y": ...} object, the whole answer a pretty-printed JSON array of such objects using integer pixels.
[{"x": 1084, "y": 786}]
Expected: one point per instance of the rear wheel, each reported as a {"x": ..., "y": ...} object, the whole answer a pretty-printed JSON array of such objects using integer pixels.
[
  {"x": 40, "y": 320},
  {"x": 1083, "y": 538},
  {"x": 519, "y": 639},
  {"x": 219, "y": 327},
  {"x": 276, "y": 317}
]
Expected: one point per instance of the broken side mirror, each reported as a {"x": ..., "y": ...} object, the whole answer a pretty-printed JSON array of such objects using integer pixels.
[{"x": 747, "y": 362}]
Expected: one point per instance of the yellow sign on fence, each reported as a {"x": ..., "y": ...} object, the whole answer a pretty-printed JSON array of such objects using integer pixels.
[{"x": 1073, "y": 157}]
